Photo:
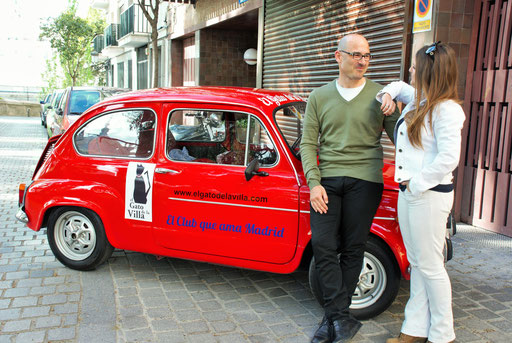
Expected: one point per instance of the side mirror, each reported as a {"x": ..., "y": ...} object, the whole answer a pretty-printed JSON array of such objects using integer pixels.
[
  {"x": 253, "y": 169},
  {"x": 50, "y": 107}
]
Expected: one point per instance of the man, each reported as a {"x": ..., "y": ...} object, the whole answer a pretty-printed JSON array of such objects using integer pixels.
[{"x": 344, "y": 124}]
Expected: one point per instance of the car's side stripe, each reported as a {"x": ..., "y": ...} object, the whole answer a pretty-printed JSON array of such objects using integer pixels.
[
  {"x": 238, "y": 205},
  {"x": 380, "y": 218}
]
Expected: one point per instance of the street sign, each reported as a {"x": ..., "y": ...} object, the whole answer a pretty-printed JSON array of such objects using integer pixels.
[{"x": 422, "y": 16}]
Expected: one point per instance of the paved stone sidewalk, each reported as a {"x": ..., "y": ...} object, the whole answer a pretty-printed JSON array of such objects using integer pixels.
[{"x": 138, "y": 298}]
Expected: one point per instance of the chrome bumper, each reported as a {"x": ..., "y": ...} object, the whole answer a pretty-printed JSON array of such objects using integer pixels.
[{"x": 21, "y": 216}]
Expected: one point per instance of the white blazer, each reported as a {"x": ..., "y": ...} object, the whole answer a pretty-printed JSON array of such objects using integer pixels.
[{"x": 433, "y": 165}]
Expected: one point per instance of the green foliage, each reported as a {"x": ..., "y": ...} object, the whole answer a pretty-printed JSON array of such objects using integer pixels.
[
  {"x": 71, "y": 37},
  {"x": 51, "y": 76}
]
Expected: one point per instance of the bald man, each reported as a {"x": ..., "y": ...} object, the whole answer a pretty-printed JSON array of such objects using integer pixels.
[{"x": 344, "y": 124}]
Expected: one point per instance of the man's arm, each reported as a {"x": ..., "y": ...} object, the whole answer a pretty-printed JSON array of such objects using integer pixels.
[
  {"x": 308, "y": 152},
  {"x": 389, "y": 124},
  {"x": 309, "y": 143}
]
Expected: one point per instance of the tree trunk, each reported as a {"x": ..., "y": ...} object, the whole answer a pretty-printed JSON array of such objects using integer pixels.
[
  {"x": 153, "y": 21},
  {"x": 156, "y": 64}
]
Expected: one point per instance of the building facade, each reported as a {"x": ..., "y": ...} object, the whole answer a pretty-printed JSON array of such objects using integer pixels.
[{"x": 203, "y": 42}]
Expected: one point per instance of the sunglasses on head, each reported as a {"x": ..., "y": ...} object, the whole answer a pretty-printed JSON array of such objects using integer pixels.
[{"x": 432, "y": 49}]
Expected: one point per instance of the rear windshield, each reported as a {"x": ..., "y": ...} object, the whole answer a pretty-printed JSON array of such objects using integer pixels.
[{"x": 82, "y": 100}]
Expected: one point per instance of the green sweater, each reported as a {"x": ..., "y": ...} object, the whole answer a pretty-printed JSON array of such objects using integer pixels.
[{"x": 346, "y": 134}]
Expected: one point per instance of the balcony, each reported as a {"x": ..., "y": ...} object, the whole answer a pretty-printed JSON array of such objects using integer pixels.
[
  {"x": 111, "y": 48},
  {"x": 134, "y": 30},
  {"x": 98, "y": 44}
]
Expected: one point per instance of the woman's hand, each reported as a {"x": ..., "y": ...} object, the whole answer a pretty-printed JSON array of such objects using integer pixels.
[
  {"x": 388, "y": 105},
  {"x": 406, "y": 183},
  {"x": 318, "y": 199}
]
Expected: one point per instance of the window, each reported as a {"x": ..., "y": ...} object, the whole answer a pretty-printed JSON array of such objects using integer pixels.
[
  {"x": 289, "y": 120},
  {"x": 120, "y": 75},
  {"x": 81, "y": 100},
  {"x": 218, "y": 137},
  {"x": 127, "y": 133}
]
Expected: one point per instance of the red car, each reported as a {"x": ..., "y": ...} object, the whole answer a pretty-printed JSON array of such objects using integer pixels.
[{"x": 208, "y": 174}]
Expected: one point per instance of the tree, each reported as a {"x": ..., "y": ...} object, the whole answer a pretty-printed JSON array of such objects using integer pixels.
[
  {"x": 152, "y": 18},
  {"x": 72, "y": 36},
  {"x": 51, "y": 76}
]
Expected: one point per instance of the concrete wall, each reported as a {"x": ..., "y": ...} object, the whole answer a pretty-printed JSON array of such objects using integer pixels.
[
  {"x": 185, "y": 19},
  {"x": 19, "y": 108}
]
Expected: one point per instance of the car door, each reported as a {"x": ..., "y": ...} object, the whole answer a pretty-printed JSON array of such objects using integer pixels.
[{"x": 203, "y": 202}]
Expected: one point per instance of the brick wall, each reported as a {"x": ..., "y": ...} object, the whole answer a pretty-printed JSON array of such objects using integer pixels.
[
  {"x": 222, "y": 58},
  {"x": 176, "y": 63},
  {"x": 454, "y": 23}
]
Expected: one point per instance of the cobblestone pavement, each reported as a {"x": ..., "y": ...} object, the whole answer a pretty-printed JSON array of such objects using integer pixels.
[{"x": 138, "y": 298}]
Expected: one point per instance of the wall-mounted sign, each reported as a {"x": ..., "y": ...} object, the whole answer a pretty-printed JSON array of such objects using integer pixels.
[
  {"x": 241, "y": 1},
  {"x": 422, "y": 16}
]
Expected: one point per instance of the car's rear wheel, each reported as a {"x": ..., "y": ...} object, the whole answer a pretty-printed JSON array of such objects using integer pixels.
[
  {"x": 378, "y": 284},
  {"x": 77, "y": 238}
]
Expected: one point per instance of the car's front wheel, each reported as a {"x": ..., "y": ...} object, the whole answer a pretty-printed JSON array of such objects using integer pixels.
[
  {"x": 77, "y": 238},
  {"x": 378, "y": 284}
]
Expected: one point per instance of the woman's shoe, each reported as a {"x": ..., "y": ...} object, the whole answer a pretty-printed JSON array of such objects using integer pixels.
[{"x": 403, "y": 338}]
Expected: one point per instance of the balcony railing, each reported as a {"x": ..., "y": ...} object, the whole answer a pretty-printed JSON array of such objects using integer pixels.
[
  {"x": 111, "y": 34},
  {"x": 133, "y": 21},
  {"x": 98, "y": 43}
]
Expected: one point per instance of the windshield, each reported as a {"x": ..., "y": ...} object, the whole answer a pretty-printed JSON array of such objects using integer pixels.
[
  {"x": 82, "y": 100},
  {"x": 289, "y": 119}
]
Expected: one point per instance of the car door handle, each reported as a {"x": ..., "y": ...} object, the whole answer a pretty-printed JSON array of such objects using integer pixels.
[{"x": 165, "y": 171}]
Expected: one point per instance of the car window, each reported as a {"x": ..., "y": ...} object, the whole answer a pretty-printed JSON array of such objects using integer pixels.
[
  {"x": 81, "y": 100},
  {"x": 289, "y": 120},
  {"x": 57, "y": 98},
  {"x": 128, "y": 134},
  {"x": 218, "y": 137}
]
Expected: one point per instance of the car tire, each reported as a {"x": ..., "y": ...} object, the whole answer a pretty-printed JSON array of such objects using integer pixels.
[
  {"x": 378, "y": 285},
  {"x": 77, "y": 238}
]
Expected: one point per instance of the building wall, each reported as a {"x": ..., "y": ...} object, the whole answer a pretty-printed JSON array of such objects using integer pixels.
[
  {"x": 222, "y": 58},
  {"x": 454, "y": 23}
]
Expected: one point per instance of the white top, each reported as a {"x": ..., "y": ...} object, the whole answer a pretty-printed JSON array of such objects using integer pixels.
[
  {"x": 433, "y": 165},
  {"x": 349, "y": 93}
]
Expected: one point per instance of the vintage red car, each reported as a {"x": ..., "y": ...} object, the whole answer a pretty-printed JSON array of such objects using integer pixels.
[{"x": 209, "y": 174}]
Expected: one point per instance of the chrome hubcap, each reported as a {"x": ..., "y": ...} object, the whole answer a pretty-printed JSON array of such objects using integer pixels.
[
  {"x": 372, "y": 283},
  {"x": 75, "y": 236}
]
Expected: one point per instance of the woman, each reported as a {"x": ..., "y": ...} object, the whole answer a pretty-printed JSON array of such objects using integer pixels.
[{"x": 428, "y": 139}]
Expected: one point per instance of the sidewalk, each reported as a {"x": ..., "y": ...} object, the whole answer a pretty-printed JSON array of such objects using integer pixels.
[{"x": 137, "y": 298}]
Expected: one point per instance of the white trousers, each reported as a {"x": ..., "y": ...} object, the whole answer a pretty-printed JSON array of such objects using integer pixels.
[{"x": 422, "y": 219}]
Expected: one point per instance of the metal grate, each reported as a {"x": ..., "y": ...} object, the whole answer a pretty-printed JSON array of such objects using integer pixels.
[{"x": 300, "y": 38}]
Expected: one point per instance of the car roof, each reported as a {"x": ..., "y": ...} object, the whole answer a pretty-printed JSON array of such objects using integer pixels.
[{"x": 252, "y": 97}]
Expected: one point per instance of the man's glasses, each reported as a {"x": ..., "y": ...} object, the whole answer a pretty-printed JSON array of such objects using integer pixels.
[
  {"x": 357, "y": 55},
  {"x": 432, "y": 49}
]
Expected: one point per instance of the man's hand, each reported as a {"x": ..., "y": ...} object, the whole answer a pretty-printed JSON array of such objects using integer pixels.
[
  {"x": 318, "y": 199},
  {"x": 388, "y": 105}
]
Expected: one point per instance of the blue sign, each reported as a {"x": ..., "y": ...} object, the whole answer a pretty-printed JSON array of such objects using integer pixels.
[{"x": 241, "y": 1}]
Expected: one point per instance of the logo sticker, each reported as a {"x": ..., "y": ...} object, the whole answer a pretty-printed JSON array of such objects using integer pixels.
[{"x": 139, "y": 191}]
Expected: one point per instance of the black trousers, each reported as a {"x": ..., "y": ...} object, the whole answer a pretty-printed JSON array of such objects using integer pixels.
[{"x": 343, "y": 229}]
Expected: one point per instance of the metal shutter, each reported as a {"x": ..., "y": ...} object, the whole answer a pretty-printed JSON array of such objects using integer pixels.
[{"x": 300, "y": 38}]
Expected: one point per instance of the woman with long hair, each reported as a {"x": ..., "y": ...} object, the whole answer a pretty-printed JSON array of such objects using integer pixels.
[{"x": 428, "y": 141}]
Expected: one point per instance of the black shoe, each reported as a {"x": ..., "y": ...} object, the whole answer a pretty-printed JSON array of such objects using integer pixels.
[
  {"x": 324, "y": 332},
  {"x": 345, "y": 329}
]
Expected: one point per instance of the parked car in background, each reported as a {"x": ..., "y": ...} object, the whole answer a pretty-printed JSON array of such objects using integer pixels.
[
  {"x": 50, "y": 113},
  {"x": 45, "y": 103},
  {"x": 74, "y": 101},
  {"x": 208, "y": 174}
]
